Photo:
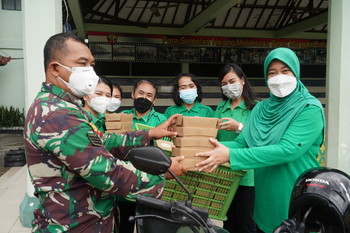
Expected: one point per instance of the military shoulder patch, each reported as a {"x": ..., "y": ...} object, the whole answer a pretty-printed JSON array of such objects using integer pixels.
[{"x": 95, "y": 139}]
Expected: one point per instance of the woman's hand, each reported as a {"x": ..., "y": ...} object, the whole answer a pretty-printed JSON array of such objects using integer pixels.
[
  {"x": 216, "y": 157},
  {"x": 164, "y": 130},
  {"x": 229, "y": 124}
]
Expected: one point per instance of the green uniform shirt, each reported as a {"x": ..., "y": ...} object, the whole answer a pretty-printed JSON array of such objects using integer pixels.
[
  {"x": 98, "y": 121},
  {"x": 153, "y": 118},
  {"x": 197, "y": 109},
  {"x": 278, "y": 166},
  {"x": 240, "y": 115}
]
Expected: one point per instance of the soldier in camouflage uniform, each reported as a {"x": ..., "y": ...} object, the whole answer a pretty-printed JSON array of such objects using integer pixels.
[{"x": 75, "y": 177}]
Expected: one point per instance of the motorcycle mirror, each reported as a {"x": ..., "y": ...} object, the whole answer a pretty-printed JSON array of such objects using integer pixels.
[{"x": 149, "y": 159}]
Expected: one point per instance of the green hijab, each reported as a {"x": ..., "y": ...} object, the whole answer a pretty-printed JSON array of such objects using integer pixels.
[{"x": 270, "y": 118}]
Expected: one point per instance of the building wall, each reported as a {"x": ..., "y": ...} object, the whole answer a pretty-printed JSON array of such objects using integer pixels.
[{"x": 11, "y": 75}]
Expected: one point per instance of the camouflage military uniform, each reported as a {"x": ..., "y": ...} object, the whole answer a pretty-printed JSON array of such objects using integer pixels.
[{"x": 75, "y": 177}]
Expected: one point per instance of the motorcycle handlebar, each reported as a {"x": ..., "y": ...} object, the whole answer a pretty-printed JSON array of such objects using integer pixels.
[{"x": 154, "y": 203}]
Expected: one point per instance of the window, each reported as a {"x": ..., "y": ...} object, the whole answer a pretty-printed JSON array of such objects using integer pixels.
[{"x": 11, "y": 5}]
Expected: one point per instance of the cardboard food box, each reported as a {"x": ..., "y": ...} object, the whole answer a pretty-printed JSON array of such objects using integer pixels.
[
  {"x": 111, "y": 125},
  {"x": 188, "y": 152},
  {"x": 193, "y": 142},
  {"x": 190, "y": 163},
  {"x": 118, "y": 117},
  {"x": 202, "y": 122},
  {"x": 195, "y": 132},
  {"x": 166, "y": 146}
]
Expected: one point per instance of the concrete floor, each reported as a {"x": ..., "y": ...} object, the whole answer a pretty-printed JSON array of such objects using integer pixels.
[{"x": 13, "y": 186}]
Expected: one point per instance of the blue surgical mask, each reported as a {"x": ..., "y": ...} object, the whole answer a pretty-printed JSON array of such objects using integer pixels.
[{"x": 188, "y": 96}]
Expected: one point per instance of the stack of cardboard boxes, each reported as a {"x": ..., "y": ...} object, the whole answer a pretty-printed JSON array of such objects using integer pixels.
[
  {"x": 118, "y": 122},
  {"x": 193, "y": 137}
]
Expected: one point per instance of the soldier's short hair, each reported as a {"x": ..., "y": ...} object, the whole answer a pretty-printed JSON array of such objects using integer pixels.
[
  {"x": 139, "y": 82},
  {"x": 55, "y": 47}
]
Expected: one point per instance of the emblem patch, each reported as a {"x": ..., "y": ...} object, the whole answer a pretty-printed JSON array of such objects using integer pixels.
[{"x": 95, "y": 140}]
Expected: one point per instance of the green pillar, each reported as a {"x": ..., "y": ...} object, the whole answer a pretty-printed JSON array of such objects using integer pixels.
[
  {"x": 338, "y": 85},
  {"x": 185, "y": 67}
]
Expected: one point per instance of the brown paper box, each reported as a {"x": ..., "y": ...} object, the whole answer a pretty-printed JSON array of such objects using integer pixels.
[
  {"x": 202, "y": 122},
  {"x": 118, "y": 117},
  {"x": 190, "y": 163},
  {"x": 193, "y": 142},
  {"x": 188, "y": 152},
  {"x": 118, "y": 125},
  {"x": 195, "y": 132}
]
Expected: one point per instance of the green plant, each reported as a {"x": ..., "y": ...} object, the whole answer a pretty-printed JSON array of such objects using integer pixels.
[{"x": 11, "y": 117}]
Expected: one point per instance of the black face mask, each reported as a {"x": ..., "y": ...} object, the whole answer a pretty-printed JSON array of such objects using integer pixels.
[{"x": 142, "y": 104}]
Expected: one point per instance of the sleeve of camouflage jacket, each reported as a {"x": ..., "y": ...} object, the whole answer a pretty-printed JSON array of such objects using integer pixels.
[
  {"x": 66, "y": 136},
  {"x": 120, "y": 144}
]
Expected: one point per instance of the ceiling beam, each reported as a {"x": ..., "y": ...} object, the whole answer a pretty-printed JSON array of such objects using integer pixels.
[
  {"x": 95, "y": 27},
  {"x": 238, "y": 33},
  {"x": 303, "y": 25},
  {"x": 74, "y": 7},
  {"x": 257, "y": 6},
  {"x": 210, "y": 13}
]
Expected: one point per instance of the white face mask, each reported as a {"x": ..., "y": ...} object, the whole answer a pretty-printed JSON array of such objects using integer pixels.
[
  {"x": 99, "y": 103},
  {"x": 82, "y": 81},
  {"x": 232, "y": 91},
  {"x": 282, "y": 85},
  {"x": 114, "y": 104}
]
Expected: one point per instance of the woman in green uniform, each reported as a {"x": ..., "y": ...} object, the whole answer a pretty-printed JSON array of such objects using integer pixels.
[
  {"x": 187, "y": 95},
  {"x": 239, "y": 100},
  {"x": 96, "y": 104},
  {"x": 280, "y": 140}
]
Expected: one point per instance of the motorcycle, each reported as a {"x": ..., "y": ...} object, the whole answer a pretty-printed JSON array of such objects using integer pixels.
[
  {"x": 155, "y": 215},
  {"x": 320, "y": 202}
]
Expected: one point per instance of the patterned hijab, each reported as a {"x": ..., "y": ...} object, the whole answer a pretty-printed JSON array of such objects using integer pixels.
[{"x": 271, "y": 117}]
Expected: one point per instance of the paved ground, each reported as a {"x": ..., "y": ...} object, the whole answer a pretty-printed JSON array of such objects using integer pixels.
[
  {"x": 9, "y": 142},
  {"x": 13, "y": 186}
]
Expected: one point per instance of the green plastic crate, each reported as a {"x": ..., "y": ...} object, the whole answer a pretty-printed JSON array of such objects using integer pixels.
[{"x": 213, "y": 191}]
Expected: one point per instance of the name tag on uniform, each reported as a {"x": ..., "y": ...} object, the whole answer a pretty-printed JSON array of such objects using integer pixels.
[{"x": 95, "y": 139}]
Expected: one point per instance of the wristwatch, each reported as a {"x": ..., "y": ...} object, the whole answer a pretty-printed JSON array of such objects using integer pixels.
[{"x": 240, "y": 127}]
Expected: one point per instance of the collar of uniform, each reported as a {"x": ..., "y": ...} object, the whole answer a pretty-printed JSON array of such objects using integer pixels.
[
  {"x": 146, "y": 117},
  {"x": 47, "y": 87},
  {"x": 100, "y": 117},
  {"x": 195, "y": 108},
  {"x": 227, "y": 105}
]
